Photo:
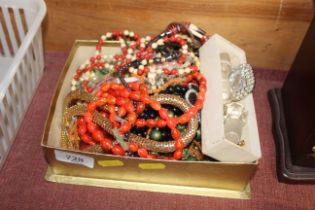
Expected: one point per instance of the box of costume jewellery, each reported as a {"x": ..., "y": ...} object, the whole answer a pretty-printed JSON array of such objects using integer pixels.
[{"x": 171, "y": 113}]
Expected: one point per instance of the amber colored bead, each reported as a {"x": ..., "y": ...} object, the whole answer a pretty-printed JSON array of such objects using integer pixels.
[
  {"x": 105, "y": 87},
  {"x": 81, "y": 121},
  {"x": 91, "y": 107},
  {"x": 133, "y": 147},
  {"x": 140, "y": 72},
  {"x": 193, "y": 68},
  {"x": 120, "y": 101},
  {"x": 134, "y": 85},
  {"x": 174, "y": 71},
  {"x": 98, "y": 135},
  {"x": 149, "y": 49},
  {"x": 171, "y": 122},
  {"x": 125, "y": 127},
  {"x": 201, "y": 96},
  {"x": 140, "y": 107},
  {"x": 105, "y": 95},
  {"x": 175, "y": 133},
  {"x": 129, "y": 107},
  {"x": 199, "y": 77},
  {"x": 135, "y": 95},
  {"x": 150, "y": 123},
  {"x": 163, "y": 113},
  {"x": 92, "y": 59},
  {"x": 114, "y": 93},
  {"x": 178, "y": 154},
  {"x": 172, "y": 39},
  {"x": 179, "y": 144},
  {"x": 143, "y": 89},
  {"x": 91, "y": 127},
  {"x": 121, "y": 111},
  {"x": 87, "y": 139},
  {"x": 203, "y": 85},
  {"x": 161, "y": 123},
  {"x": 202, "y": 89},
  {"x": 183, "y": 119},
  {"x": 179, "y": 40},
  {"x": 180, "y": 61},
  {"x": 82, "y": 129},
  {"x": 146, "y": 99},
  {"x": 140, "y": 123},
  {"x": 88, "y": 117},
  {"x": 191, "y": 112},
  {"x": 142, "y": 152},
  {"x": 118, "y": 150},
  {"x": 132, "y": 117},
  {"x": 146, "y": 70},
  {"x": 198, "y": 104},
  {"x": 111, "y": 100},
  {"x": 114, "y": 86},
  {"x": 128, "y": 100},
  {"x": 189, "y": 77},
  {"x": 106, "y": 144},
  {"x": 124, "y": 93},
  {"x": 155, "y": 105},
  {"x": 151, "y": 156}
]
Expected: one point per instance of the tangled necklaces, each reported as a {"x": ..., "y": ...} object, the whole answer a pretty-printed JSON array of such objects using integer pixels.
[{"x": 104, "y": 111}]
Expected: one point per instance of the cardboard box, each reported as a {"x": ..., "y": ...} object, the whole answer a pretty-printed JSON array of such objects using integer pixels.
[{"x": 206, "y": 178}]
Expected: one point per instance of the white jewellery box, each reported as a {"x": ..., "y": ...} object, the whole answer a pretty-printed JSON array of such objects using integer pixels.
[{"x": 214, "y": 142}]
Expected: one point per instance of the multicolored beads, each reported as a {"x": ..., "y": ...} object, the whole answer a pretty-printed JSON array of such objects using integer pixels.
[{"x": 155, "y": 64}]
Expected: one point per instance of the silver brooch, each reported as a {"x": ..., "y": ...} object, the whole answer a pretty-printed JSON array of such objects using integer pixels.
[{"x": 241, "y": 81}]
